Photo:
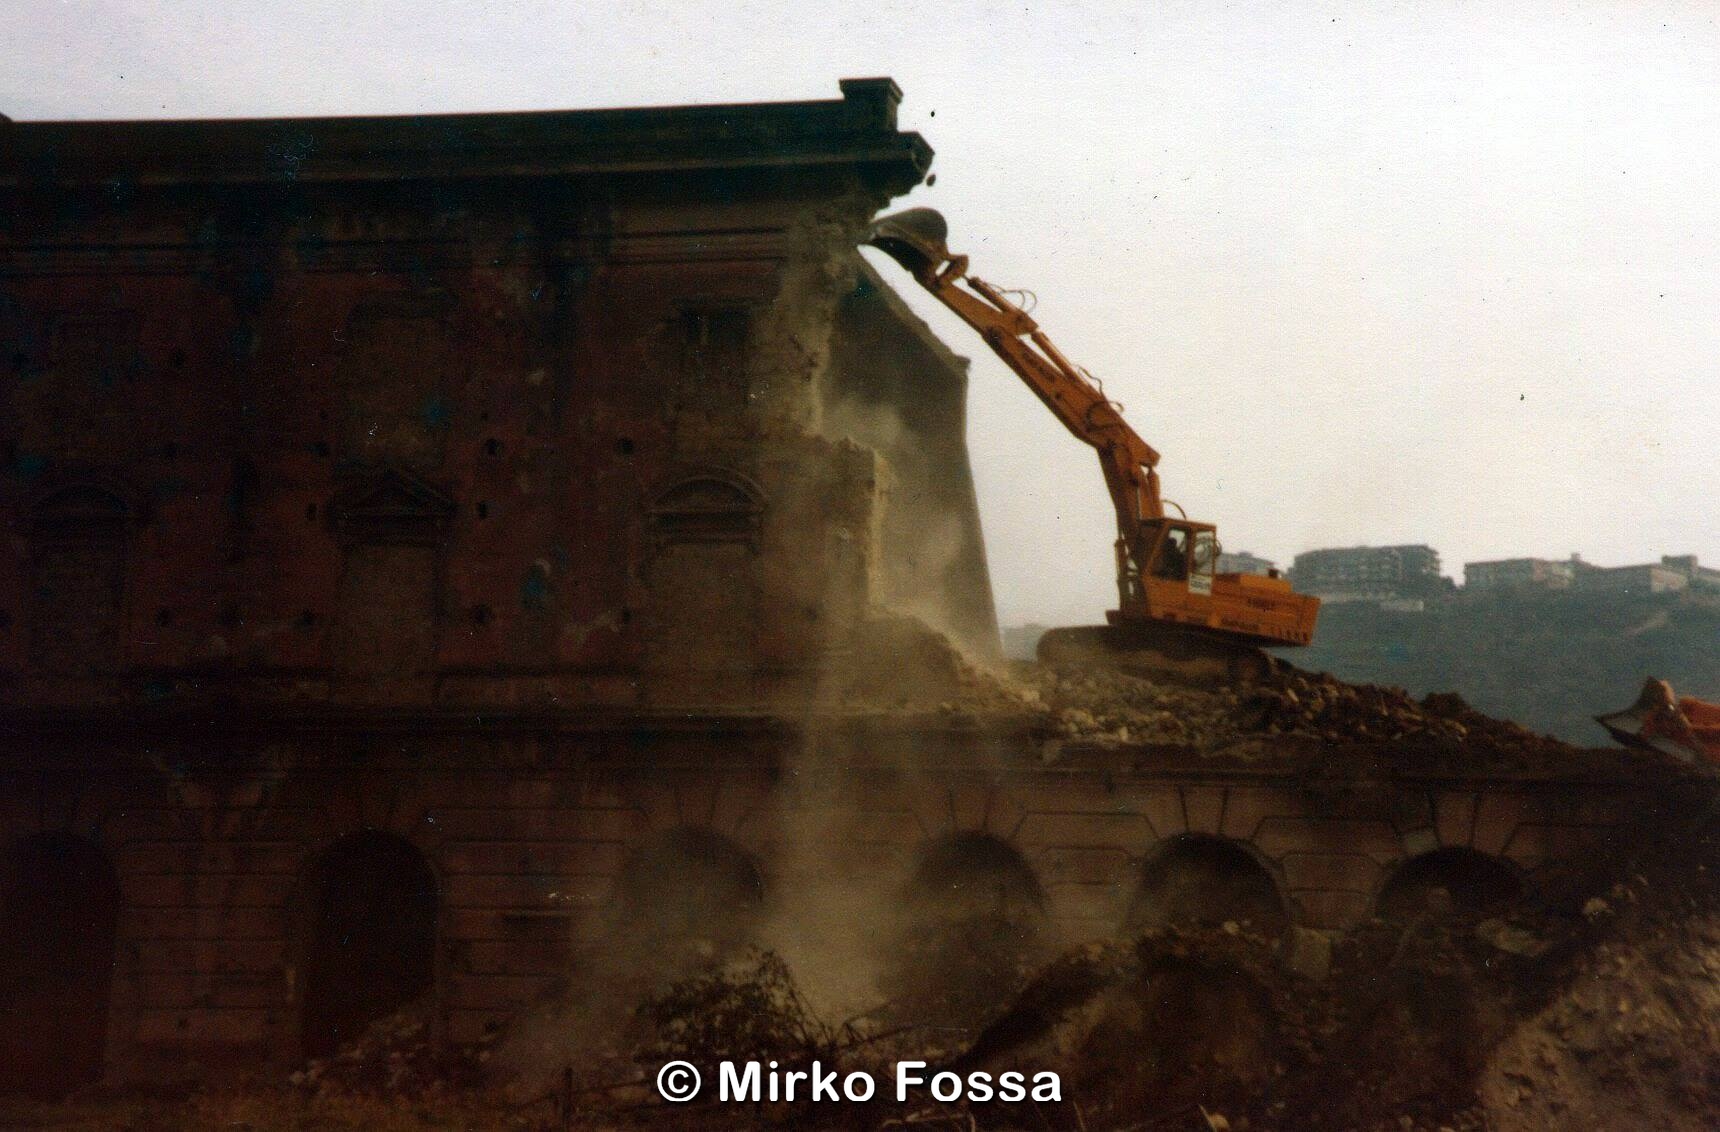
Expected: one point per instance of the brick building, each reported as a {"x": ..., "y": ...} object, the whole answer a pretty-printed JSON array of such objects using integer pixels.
[
  {"x": 437, "y": 550},
  {"x": 395, "y": 432}
]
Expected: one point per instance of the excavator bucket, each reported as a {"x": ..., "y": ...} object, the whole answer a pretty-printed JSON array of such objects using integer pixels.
[
  {"x": 1685, "y": 728},
  {"x": 914, "y": 238}
]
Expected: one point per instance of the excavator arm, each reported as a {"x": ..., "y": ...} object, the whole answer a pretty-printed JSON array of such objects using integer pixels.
[
  {"x": 916, "y": 240},
  {"x": 1176, "y": 614}
]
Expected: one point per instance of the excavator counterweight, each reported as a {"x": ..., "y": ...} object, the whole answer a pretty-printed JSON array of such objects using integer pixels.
[{"x": 1176, "y": 614}]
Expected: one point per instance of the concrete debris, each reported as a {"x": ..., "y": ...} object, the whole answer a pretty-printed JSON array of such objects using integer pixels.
[
  {"x": 1103, "y": 704},
  {"x": 397, "y": 1056},
  {"x": 1512, "y": 938}
]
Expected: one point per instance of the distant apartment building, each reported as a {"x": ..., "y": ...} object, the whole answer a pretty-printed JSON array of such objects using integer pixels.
[
  {"x": 1647, "y": 578},
  {"x": 1520, "y": 573},
  {"x": 1368, "y": 573},
  {"x": 1243, "y": 562},
  {"x": 1673, "y": 572},
  {"x": 1699, "y": 575}
]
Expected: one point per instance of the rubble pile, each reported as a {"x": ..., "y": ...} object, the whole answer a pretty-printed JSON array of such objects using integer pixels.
[
  {"x": 396, "y": 1056},
  {"x": 1102, "y": 705},
  {"x": 1325, "y": 707},
  {"x": 747, "y": 1010},
  {"x": 1630, "y": 1036},
  {"x": 1093, "y": 702}
]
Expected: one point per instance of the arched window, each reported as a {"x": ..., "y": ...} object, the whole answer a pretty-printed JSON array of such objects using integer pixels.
[
  {"x": 970, "y": 929},
  {"x": 1450, "y": 881},
  {"x": 685, "y": 897}
]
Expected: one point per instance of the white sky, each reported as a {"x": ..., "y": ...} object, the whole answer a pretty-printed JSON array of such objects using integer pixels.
[{"x": 1364, "y": 274}]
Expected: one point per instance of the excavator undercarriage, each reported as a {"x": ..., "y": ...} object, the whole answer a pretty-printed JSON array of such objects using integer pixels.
[{"x": 1158, "y": 652}]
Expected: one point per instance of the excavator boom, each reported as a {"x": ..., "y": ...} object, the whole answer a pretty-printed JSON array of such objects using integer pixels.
[{"x": 1173, "y": 606}]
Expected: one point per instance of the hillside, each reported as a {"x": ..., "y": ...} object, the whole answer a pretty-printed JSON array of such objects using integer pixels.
[{"x": 1550, "y": 661}]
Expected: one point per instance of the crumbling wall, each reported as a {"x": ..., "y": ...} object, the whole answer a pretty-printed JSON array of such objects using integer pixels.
[{"x": 893, "y": 386}]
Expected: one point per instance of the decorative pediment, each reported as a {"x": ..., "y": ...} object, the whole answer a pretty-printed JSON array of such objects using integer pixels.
[
  {"x": 715, "y": 506},
  {"x": 389, "y": 506},
  {"x": 88, "y": 506}
]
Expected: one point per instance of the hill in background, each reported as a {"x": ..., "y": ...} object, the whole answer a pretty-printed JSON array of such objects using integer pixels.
[{"x": 1550, "y": 660}]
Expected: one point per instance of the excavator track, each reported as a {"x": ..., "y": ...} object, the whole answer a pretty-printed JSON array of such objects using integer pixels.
[{"x": 1159, "y": 652}]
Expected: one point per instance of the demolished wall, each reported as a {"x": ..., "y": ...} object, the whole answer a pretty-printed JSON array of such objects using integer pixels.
[{"x": 895, "y": 387}]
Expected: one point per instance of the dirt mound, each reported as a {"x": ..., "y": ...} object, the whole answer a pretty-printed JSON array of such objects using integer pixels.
[
  {"x": 1629, "y": 1037},
  {"x": 1174, "y": 1021}
]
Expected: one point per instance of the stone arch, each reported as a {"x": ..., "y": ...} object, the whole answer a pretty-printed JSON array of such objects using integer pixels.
[
  {"x": 1200, "y": 879},
  {"x": 59, "y": 915},
  {"x": 972, "y": 871},
  {"x": 81, "y": 507},
  {"x": 369, "y": 937},
  {"x": 684, "y": 898},
  {"x": 970, "y": 928},
  {"x": 1453, "y": 880}
]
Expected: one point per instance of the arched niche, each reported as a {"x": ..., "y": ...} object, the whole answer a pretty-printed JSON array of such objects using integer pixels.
[
  {"x": 370, "y": 932},
  {"x": 1452, "y": 881},
  {"x": 59, "y": 912},
  {"x": 1201, "y": 880}
]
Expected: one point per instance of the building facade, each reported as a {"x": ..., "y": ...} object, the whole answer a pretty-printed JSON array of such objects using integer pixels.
[
  {"x": 1368, "y": 573},
  {"x": 1520, "y": 573},
  {"x": 443, "y": 555}
]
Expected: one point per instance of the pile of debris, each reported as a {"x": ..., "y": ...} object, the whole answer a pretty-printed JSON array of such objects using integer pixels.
[
  {"x": 1095, "y": 704},
  {"x": 397, "y": 1056},
  {"x": 1325, "y": 707},
  {"x": 1630, "y": 1036},
  {"x": 1604, "y": 1012}
]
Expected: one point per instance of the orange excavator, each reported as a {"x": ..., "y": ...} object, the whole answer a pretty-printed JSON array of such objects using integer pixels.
[{"x": 1176, "y": 614}]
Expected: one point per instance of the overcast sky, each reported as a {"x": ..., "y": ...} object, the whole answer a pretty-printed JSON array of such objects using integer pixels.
[{"x": 1363, "y": 274}]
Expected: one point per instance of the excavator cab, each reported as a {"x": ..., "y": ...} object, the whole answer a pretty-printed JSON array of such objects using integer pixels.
[{"x": 1178, "y": 554}]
